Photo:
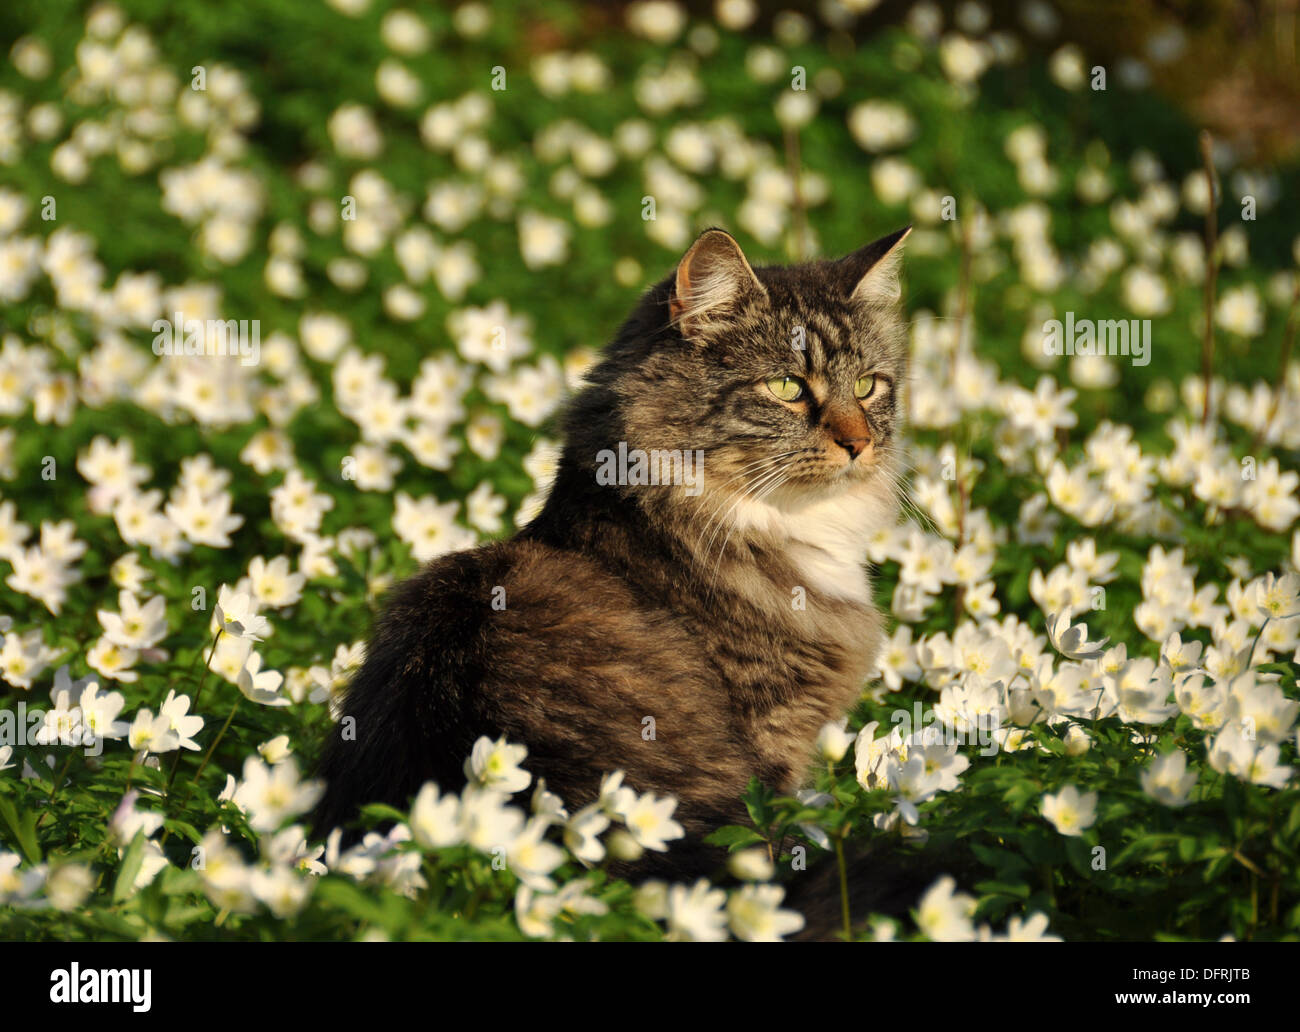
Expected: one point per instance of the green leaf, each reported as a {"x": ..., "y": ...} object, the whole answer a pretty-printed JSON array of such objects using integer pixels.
[
  {"x": 1003, "y": 861},
  {"x": 383, "y": 812},
  {"x": 124, "y": 887},
  {"x": 1079, "y": 852},
  {"x": 734, "y": 836},
  {"x": 1293, "y": 822},
  {"x": 758, "y": 800},
  {"x": 183, "y": 828},
  {"x": 1015, "y": 890},
  {"x": 22, "y": 830},
  {"x": 354, "y": 901}
]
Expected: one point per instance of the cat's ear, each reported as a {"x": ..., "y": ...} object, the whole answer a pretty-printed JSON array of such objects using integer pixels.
[
  {"x": 871, "y": 273},
  {"x": 711, "y": 278}
]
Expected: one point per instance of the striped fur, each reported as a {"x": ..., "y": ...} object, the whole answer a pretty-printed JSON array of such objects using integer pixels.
[{"x": 741, "y": 619}]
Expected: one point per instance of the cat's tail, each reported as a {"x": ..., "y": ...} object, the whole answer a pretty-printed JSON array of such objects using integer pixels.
[{"x": 404, "y": 719}]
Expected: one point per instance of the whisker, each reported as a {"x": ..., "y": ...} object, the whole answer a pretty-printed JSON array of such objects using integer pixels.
[
  {"x": 766, "y": 490},
  {"x": 743, "y": 496}
]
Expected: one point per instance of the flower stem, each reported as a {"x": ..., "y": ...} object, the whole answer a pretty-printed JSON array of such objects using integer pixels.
[
  {"x": 194, "y": 706},
  {"x": 1211, "y": 268},
  {"x": 207, "y": 667},
  {"x": 844, "y": 888},
  {"x": 1250, "y": 662},
  {"x": 217, "y": 741}
]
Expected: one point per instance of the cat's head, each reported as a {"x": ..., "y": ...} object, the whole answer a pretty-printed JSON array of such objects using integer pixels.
[{"x": 789, "y": 379}]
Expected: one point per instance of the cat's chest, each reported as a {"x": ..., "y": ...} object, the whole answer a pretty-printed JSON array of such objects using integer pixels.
[{"x": 825, "y": 542}]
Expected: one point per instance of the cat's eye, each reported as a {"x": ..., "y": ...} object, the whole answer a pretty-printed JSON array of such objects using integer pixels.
[
  {"x": 787, "y": 388},
  {"x": 864, "y": 385}
]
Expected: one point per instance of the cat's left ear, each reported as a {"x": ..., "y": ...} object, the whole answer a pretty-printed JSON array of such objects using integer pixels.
[
  {"x": 712, "y": 277},
  {"x": 871, "y": 273}
]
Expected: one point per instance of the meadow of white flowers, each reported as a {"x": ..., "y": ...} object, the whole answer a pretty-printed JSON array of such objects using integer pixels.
[{"x": 434, "y": 225}]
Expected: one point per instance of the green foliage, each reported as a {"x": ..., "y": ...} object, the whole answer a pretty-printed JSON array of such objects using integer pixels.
[{"x": 1228, "y": 862}]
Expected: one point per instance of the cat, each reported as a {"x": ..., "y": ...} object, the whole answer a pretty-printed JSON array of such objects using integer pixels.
[{"x": 731, "y": 602}]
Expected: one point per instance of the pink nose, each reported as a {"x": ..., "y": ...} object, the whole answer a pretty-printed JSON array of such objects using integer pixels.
[{"x": 853, "y": 445}]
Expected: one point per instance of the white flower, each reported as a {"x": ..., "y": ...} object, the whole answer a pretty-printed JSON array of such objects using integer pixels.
[
  {"x": 1031, "y": 929},
  {"x": 495, "y": 765},
  {"x": 113, "y": 661},
  {"x": 261, "y": 686},
  {"x": 649, "y": 821},
  {"x": 127, "y": 821},
  {"x": 944, "y": 915},
  {"x": 428, "y": 527},
  {"x": 1234, "y": 751},
  {"x": 963, "y": 60},
  {"x": 1239, "y": 311},
  {"x": 237, "y": 615},
  {"x": 152, "y": 734},
  {"x": 1072, "y": 641},
  {"x": 660, "y": 21},
  {"x": 99, "y": 712},
  {"x": 276, "y": 750},
  {"x": 1259, "y": 708},
  {"x": 582, "y": 831},
  {"x": 754, "y": 913},
  {"x": 273, "y": 795},
  {"x": 435, "y": 821},
  {"x": 532, "y": 858},
  {"x": 136, "y": 626},
  {"x": 272, "y": 583},
  {"x": 176, "y": 708},
  {"x": 615, "y": 797},
  {"x": 355, "y": 133},
  {"x": 1167, "y": 780},
  {"x": 695, "y": 914},
  {"x": 535, "y": 912},
  {"x": 833, "y": 741},
  {"x": 880, "y": 125},
  {"x": 282, "y": 889},
  {"x": 1069, "y": 811},
  {"x": 1278, "y": 597},
  {"x": 543, "y": 240},
  {"x": 68, "y": 885},
  {"x": 487, "y": 820},
  {"x": 751, "y": 865}
]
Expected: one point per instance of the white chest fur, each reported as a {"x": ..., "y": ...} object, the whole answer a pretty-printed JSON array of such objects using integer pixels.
[{"x": 825, "y": 537}]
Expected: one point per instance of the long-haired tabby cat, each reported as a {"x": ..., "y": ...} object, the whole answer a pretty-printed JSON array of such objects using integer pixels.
[{"x": 730, "y": 603}]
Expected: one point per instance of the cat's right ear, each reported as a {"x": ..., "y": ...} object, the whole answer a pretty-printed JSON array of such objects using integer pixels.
[{"x": 712, "y": 278}]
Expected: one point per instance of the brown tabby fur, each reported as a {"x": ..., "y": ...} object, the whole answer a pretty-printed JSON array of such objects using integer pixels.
[{"x": 623, "y": 602}]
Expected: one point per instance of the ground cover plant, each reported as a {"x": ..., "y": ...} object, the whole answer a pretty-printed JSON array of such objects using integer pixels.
[{"x": 428, "y": 220}]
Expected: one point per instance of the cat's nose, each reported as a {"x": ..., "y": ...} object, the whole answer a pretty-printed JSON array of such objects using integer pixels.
[
  {"x": 847, "y": 427},
  {"x": 853, "y": 445}
]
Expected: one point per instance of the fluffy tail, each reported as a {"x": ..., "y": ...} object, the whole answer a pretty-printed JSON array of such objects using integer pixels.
[{"x": 404, "y": 720}]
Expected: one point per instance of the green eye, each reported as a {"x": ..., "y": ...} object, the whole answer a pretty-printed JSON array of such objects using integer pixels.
[
  {"x": 787, "y": 388},
  {"x": 864, "y": 385}
]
